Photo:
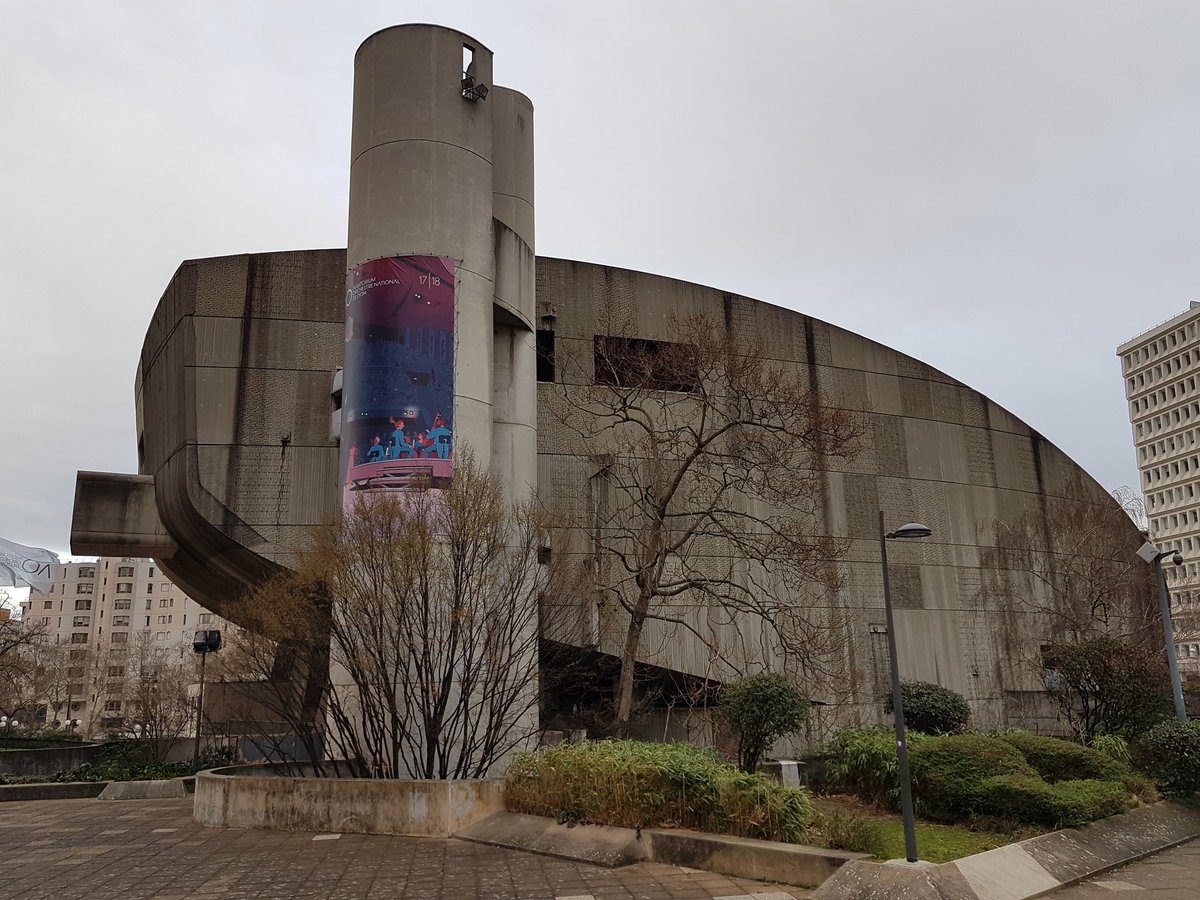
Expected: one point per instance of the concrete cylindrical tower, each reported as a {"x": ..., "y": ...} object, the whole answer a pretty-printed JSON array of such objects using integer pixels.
[
  {"x": 439, "y": 174},
  {"x": 440, "y": 342},
  {"x": 514, "y": 394}
]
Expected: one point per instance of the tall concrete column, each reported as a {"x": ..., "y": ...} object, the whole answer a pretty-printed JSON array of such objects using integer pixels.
[
  {"x": 440, "y": 172},
  {"x": 514, "y": 395},
  {"x": 421, "y": 185}
]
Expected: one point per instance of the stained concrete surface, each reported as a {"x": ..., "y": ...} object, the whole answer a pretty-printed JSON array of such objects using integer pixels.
[{"x": 1170, "y": 875}]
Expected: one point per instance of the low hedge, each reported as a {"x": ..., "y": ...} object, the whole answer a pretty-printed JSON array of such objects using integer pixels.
[
  {"x": 1032, "y": 800},
  {"x": 947, "y": 772},
  {"x": 640, "y": 785},
  {"x": 1058, "y": 760},
  {"x": 1016, "y": 776}
]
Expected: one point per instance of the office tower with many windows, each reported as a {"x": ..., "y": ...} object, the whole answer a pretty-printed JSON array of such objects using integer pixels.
[
  {"x": 1161, "y": 368},
  {"x": 99, "y": 616}
]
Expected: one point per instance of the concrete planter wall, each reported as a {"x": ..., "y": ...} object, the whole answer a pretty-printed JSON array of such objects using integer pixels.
[
  {"x": 256, "y": 797},
  {"x": 47, "y": 760}
]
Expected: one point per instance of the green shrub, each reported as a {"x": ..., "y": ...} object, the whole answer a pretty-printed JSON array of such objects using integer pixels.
[
  {"x": 1025, "y": 799},
  {"x": 1030, "y": 800},
  {"x": 863, "y": 761},
  {"x": 931, "y": 708},
  {"x": 948, "y": 770},
  {"x": 639, "y": 785},
  {"x": 1108, "y": 686},
  {"x": 1170, "y": 754},
  {"x": 849, "y": 832},
  {"x": 1086, "y": 800},
  {"x": 214, "y": 757},
  {"x": 1057, "y": 760},
  {"x": 1011, "y": 776},
  {"x": 761, "y": 709}
]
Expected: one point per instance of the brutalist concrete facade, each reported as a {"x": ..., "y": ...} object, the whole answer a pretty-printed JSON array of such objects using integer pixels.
[
  {"x": 237, "y": 399},
  {"x": 235, "y": 403}
]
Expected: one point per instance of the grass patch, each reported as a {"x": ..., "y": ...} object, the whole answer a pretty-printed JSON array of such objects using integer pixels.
[
  {"x": 935, "y": 843},
  {"x": 939, "y": 843}
]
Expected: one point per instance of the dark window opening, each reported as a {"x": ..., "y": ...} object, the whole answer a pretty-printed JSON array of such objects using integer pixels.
[
  {"x": 545, "y": 355},
  {"x": 643, "y": 363}
]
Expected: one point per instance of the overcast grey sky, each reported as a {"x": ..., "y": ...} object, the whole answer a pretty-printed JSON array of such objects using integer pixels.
[{"x": 1006, "y": 190}]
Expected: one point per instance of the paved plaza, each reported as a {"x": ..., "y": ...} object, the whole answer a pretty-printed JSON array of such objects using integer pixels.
[
  {"x": 1170, "y": 875},
  {"x": 141, "y": 849}
]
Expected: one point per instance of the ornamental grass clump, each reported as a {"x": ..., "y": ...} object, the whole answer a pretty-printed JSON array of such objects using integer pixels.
[
  {"x": 632, "y": 784},
  {"x": 863, "y": 761}
]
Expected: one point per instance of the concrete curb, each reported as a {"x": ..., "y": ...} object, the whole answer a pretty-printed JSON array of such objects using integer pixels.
[
  {"x": 747, "y": 857},
  {"x": 57, "y": 790},
  {"x": 598, "y": 844},
  {"x": 608, "y": 846},
  {"x": 1029, "y": 868},
  {"x": 164, "y": 789}
]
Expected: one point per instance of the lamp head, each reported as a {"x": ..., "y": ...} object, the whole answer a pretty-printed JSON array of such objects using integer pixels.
[
  {"x": 1177, "y": 558},
  {"x": 911, "y": 530},
  {"x": 1148, "y": 552}
]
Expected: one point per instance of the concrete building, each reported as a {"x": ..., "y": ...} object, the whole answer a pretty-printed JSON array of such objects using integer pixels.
[
  {"x": 240, "y": 391},
  {"x": 1161, "y": 368},
  {"x": 100, "y": 614}
]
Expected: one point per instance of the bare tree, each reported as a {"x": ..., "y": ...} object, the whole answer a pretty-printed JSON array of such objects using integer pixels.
[
  {"x": 430, "y": 599},
  {"x": 153, "y": 683},
  {"x": 1134, "y": 504},
  {"x": 1073, "y": 561},
  {"x": 270, "y": 681},
  {"x": 20, "y": 669},
  {"x": 709, "y": 466}
]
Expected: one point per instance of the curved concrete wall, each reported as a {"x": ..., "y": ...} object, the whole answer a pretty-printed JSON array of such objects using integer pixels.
[
  {"x": 935, "y": 451},
  {"x": 256, "y": 797},
  {"x": 233, "y": 403}
]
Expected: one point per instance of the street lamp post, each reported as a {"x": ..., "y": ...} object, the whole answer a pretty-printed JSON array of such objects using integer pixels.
[
  {"x": 205, "y": 642},
  {"x": 1151, "y": 554},
  {"x": 911, "y": 530}
]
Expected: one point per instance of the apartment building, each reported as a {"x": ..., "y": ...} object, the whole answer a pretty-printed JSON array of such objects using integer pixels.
[
  {"x": 101, "y": 620},
  {"x": 1161, "y": 368}
]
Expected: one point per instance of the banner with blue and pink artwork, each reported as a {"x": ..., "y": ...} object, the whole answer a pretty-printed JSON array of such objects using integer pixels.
[{"x": 398, "y": 375}]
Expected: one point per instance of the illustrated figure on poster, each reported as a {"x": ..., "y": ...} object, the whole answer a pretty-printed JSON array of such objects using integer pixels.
[
  {"x": 440, "y": 437},
  {"x": 401, "y": 448},
  {"x": 398, "y": 377}
]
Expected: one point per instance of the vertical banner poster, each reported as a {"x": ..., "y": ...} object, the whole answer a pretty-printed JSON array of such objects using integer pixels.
[{"x": 398, "y": 375}]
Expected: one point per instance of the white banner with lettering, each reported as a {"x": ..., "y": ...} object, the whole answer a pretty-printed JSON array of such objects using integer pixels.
[{"x": 22, "y": 566}]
